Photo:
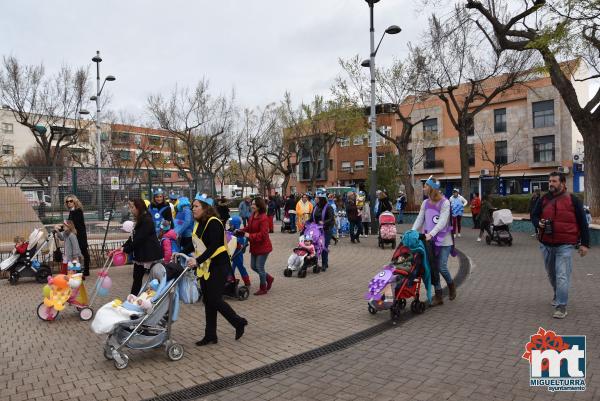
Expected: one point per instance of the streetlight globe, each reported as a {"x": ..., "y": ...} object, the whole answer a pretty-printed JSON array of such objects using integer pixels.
[
  {"x": 393, "y": 29},
  {"x": 97, "y": 58},
  {"x": 111, "y": 78},
  {"x": 84, "y": 111},
  {"x": 366, "y": 63},
  {"x": 93, "y": 98}
]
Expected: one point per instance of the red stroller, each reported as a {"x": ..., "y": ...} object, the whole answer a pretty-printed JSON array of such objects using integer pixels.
[{"x": 387, "y": 229}]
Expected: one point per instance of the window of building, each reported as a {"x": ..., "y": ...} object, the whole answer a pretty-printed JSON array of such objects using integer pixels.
[
  {"x": 153, "y": 173},
  {"x": 125, "y": 155},
  {"x": 359, "y": 165},
  {"x": 7, "y": 128},
  {"x": 501, "y": 152},
  {"x": 305, "y": 170},
  {"x": 543, "y": 148},
  {"x": 379, "y": 159},
  {"x": 167, "y": 174},
  {"x": 543, "y": 114},
  {"x": 121, "y": 138},
  {"x": 330, "y": 164},
  {"x": 138, "y": 139},
  {"x": 154, "y": 140},
  {"x": 429, "y": 154},
  {"x": 346, "y": 166},
  {"x": 156, "y": 157},
  {"x": 430, "y": 161},
  {"x": 181, "y": 174},
  {"x": 358, "y": 140},
  {"x": 380, "y": 141},
  {"x": 471, "y": 154},
  {"x": 430, "y": 126},
  {"x": 344, "y": 141},
  {"x": 8, "y": 150},
  {"x": 500, "y": 120}
]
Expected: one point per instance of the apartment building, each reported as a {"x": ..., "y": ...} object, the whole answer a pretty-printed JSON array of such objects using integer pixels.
[{"x": 527, "y": 130}]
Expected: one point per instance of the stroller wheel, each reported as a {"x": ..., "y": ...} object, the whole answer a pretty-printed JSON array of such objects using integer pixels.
[
  {"x": 175, "y": 352},
  {"x": 510, "y": 242},
  {"x": 13, "y": 278},
  {"x": 372, "y": 310},
  {"x": 394, "y": 244},
  {"x": 302, "y": 273},
  {"x": 45, "y": 313},
  {"x": 402, "y": 303},
  {"x": 421, "y": 307},
  {"x": 86, "y": 314},
  {"x": 287, "y": 272},
  {"x": 395, "y": 312},
  {"x": 108, "y": 352},
  {"x": 121, "y": 361},
  {"x": 243, "y": 293},
  {"x": 42, "y": 274}
]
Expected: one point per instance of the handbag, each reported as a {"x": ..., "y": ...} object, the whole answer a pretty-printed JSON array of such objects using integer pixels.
[{"x": 57, "y": 254}]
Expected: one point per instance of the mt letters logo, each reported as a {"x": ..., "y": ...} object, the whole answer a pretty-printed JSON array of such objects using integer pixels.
[{"x": 556, "y": 362}]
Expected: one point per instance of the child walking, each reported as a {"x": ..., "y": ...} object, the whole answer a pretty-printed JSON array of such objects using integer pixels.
[
  {"x": 67, "y": 233},
  {"x": 237, "y": 262}
]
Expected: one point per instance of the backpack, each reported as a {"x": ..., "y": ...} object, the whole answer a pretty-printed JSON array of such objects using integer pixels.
[{"x": 157, "y": 216}]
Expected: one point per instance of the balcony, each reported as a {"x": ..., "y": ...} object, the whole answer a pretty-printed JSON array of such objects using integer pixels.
[{"x": 431, "y": 164}]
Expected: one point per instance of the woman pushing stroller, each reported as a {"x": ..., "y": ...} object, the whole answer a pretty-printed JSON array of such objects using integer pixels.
[
  {"x": 434, "y": 221},
  {"x": 323, "y": 214}
]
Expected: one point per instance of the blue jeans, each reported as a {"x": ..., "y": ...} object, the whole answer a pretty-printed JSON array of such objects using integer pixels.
[
  {"x": 238, "y": 262},
  {"x": 257, "y": 263},
  {"x": 293, "y": 221},
  {"x": 325, "y": 252},
  {"x": 442, "y": 266},
  {"x": 400, "y": 218},
  {"x": 558, "y": 261}
]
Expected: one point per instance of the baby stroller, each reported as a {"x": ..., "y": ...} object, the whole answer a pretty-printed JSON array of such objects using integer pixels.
[
  {"x": 299, "y": 261},
  {"x": 286, "y": 226},
  {"x": 500, "y": 228},
  {"x": 387, "y": 229},
  {"x": 396, "y": 283},
  {"x": 145, "y": 322},
  {"x": 28, "y": 265},
  {"x": 315, "y": 232},
  {"x": 343, "y": 223}
]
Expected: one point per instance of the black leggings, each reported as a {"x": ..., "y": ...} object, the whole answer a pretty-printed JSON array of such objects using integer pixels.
[
  {"x": 86, "y": 261},
  {"x": 484, "y": 227},
  {"x": 212, "y": 296},
  {"x": 138, "y": 278}
]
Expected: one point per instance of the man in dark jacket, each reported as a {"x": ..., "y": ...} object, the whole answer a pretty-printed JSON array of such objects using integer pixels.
[
  {"x": 290, "y": 209},
  {"x": 562, "y": 226},
  {"x": 159, "y": 209},
  {"x": 384, "y": 204},
  {"x": 323, "y": 214}
]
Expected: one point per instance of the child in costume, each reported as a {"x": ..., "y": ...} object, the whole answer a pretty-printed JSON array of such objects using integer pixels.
[{"x": 237, "y": 262}]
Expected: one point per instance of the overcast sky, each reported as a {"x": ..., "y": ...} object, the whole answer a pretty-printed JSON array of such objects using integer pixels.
[{"x": 261, "y": 48}]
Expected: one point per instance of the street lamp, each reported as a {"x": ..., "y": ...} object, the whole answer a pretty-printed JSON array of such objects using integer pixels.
[
  {"x": 370, "y": 63},
  {"x": 97, "y": 59}
]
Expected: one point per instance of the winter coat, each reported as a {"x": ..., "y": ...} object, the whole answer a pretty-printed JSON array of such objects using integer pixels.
[
  {"x": 223, "y": 212},
  {"x": 384, "y": 205},
  {"x": 317, "y": 217},
  {"x": 159, "y": 212},
  {"x": 76, "y": 216},
  {"x": 166, "y": 243},
  {"x": 485, "y": 213},
  {"x": 143, "y": 243},
  {"x": 184, "y": 221},
  {"x": 475, "y": 205},
  {"x": 258, "y": 228},
  {"x": 352, "y": 212},
  {"x": 457, "y": 205},
  {"x": 72, "y": 250}
]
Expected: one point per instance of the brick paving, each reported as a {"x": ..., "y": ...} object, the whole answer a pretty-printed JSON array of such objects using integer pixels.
[
  {"x": 64, "y": 359},
  {"x": 468, "y": 349}
]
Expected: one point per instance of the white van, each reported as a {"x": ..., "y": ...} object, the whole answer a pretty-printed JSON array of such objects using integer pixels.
[{"x": 33, "y": 197}]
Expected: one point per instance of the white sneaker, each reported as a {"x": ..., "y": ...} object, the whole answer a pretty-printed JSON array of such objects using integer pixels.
[
  {"x": 458, "y": 235},
  {"x": 478, "y": 239},
  {"x": 454, "y": 235}
]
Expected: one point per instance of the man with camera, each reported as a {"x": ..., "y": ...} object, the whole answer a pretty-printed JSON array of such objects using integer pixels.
[{"x": 562, "y": 227}]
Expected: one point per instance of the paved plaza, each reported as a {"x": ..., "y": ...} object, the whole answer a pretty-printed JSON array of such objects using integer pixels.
[{"x": 468, "y": 349}]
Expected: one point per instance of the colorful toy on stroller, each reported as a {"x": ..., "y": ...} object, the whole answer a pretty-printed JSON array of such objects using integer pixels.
[
  {"x": 387, "y": 229},
  {"x": 501, "y": 219},
  {"x": 70, "y": 289},
  {"x": 401, "y": 280},
  {"x": 145, "y": 321},
  {"x": 27, "y": 264}
]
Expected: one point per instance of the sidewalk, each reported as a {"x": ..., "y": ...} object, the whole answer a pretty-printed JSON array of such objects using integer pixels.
[
  {"x": 64, "y": 360},
  {"x": 468, "y": 349}
]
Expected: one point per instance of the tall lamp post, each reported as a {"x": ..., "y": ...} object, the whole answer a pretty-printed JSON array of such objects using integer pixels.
[
  {"x": 97, "y": 59},
  {"x": 391, "y": 30}
]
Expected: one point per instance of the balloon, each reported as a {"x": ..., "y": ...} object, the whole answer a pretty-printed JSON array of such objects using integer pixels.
[
  {"x": 106, "y": 283},
  {"x": 46, "y": 291},
  {"x": 60, "y": 281},
  {"x": 119, "y": 258}
]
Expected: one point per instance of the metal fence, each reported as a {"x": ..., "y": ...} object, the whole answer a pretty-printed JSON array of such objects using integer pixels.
[{"x": 45, "y": 188}]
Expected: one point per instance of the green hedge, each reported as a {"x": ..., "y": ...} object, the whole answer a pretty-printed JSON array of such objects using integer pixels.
[{"x": 516, "y": 203}]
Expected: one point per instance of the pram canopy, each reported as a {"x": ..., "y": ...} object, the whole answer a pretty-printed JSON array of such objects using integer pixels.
[
  {"x": 387, "y": 218},
  {"x": 502, "y": 217},
  {"x": 316, "y": 233}
]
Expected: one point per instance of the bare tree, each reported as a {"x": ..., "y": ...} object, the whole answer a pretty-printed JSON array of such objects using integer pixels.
[
  {"x": 316, "y": 127},
  {"x": 48, "y": 106},
  {"x": 200, "y": 122},
  {"x": 558, "y": 30},
  {"x": 396, "y": 86},
  {"x": 466, "y": 71}
]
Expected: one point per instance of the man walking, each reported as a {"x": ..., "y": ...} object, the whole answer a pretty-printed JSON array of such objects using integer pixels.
[
  {"x": 245, "y": 210},
  {"x": 562, "y": 225}
]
